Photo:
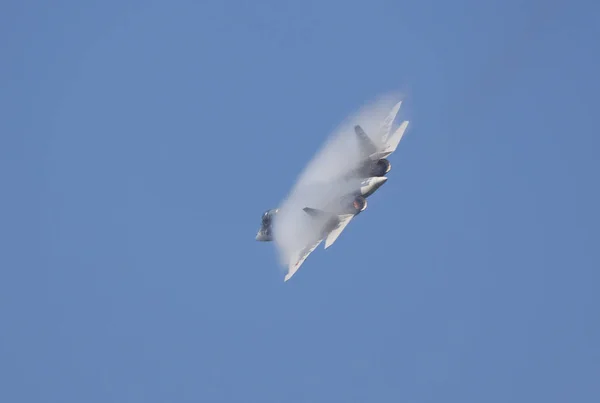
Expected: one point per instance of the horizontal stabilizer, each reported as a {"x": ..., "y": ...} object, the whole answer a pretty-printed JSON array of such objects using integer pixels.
[
  {"x": 319, "y": 214},
  {"x": 313, "y": 212}
]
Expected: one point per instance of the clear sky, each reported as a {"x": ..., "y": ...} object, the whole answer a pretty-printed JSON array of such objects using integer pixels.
[{"x": 140, "y": 141}]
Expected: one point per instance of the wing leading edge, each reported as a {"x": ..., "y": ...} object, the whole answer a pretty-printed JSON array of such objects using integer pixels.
[
  {"x": 333, "y": 235},
  {"x": 299, "y": 258},
  {"x": 330, "y": 237}
]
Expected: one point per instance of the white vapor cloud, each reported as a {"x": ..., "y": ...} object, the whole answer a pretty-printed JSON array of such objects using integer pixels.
[{"x": 320, "y": 184}]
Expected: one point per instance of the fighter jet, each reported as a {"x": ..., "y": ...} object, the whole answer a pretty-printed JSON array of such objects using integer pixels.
[
  {"x": 335, "y": 216},
  {"x": 375, "y": 152}
]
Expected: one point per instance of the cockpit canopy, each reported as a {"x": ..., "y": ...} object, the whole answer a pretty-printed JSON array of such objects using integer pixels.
[{"x": 268, "y": 216}]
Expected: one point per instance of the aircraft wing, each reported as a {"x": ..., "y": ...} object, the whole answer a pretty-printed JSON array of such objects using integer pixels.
[
  {"x": 333, "y": 235},
  {"x": 342, "y": 221},
  {"x": 299, "y": 258}
]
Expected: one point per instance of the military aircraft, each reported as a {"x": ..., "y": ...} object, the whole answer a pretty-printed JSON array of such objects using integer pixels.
[{"x": 333, "y": 220}]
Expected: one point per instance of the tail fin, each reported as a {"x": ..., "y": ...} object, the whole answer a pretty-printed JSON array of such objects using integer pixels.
[
  {"x": 366, "y": 144},
  {"x": 395, "y": 138},
  {"x": 386, "y": 126}
]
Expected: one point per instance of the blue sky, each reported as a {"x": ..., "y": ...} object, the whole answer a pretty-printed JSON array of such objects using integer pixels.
[{"x": 140, "y": 142}]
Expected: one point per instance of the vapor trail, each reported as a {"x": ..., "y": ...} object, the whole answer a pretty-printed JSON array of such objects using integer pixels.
[{"x": 321, "y": 183}]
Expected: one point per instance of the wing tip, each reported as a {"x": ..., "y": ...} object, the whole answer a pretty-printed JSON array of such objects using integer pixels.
[{"x": 292, "y": 269}]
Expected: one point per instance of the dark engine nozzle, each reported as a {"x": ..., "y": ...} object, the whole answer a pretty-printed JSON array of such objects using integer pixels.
[
  {"x": 381, "y": 167},
  {"x": 359, "y": 204}
]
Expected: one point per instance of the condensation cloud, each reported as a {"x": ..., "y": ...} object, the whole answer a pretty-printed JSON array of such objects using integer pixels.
[{"x": 321, "y": 183}]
